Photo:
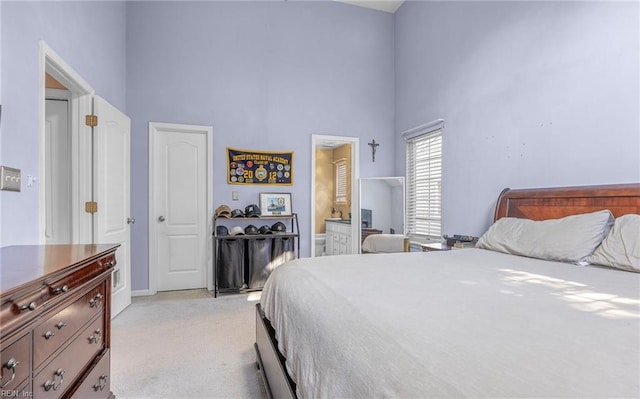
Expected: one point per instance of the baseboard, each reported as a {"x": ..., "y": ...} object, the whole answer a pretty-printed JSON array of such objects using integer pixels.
[{"x": 141, "y": 293}]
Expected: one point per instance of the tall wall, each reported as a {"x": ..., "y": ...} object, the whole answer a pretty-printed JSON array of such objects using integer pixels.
[
  {"x": 90, "y": 37},
  {"x": 266, "y": 76},
  {"x": 533, "y": 94}
]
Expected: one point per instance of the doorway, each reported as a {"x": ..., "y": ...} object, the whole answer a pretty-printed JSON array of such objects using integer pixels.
[
  {"x": 322, "y": 185},
  {"x": 97, "y": 175},
  {"x": 180, "y": 207},
  {"x": 58, "y": 156},
  {"x": 61, "y": 82}
]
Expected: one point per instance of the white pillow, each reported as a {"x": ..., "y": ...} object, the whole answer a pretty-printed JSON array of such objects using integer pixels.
[
  {"x": 621, "y": 247},
  {"x": 569, "y": 239}
]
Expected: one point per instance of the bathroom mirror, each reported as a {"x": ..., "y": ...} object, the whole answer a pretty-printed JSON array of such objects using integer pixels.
[{"x": 382, "y": 206}]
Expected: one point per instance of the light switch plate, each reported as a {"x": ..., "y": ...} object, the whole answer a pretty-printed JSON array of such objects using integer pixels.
[{"x": 9, "y": 179}]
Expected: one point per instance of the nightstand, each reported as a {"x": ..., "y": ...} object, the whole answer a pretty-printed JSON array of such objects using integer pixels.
[{"x": 436, "y": 246}]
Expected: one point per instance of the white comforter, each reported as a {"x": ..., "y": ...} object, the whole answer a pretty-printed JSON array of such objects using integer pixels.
[{"x": 462, "y": 323}]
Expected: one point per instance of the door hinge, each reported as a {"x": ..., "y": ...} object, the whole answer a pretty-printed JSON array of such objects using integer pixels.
[
  {"x": 91, "y": 207},
  {"x": 91, "y": 120}
]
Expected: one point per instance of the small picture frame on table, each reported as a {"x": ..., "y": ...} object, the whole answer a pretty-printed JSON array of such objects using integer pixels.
[{"x": 275, "y": 204}]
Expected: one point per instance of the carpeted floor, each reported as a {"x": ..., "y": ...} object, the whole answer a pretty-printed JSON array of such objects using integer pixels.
[{"x": 186, "y": 344}]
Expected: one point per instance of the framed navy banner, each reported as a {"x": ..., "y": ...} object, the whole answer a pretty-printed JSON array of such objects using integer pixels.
[{"x": 259, "y": 167}]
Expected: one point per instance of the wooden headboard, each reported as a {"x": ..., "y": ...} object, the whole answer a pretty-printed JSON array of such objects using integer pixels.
[{"x": 554, "y": 203}]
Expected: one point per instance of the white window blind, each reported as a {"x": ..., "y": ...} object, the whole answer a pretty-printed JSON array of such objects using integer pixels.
[
  {"x": 424, "y": 186},
  {"x": 341, "y": 181}
]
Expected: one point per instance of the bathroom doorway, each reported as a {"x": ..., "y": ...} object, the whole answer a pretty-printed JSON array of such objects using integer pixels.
[{"x": 334, "y": 191}]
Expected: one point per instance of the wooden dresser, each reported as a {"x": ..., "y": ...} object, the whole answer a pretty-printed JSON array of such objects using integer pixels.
[{"x": 55, "y": 317}]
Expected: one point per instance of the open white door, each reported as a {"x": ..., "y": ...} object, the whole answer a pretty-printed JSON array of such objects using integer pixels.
[{"x": 111, "y": 192}]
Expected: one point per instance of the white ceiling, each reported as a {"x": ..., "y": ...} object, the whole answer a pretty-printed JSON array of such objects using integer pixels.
[{"x": 380, "y": 5}]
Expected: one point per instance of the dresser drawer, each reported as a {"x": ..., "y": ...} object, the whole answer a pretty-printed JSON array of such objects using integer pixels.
[
  {"x": 19, "y": 309},
  {"x": 57, "y": 288},
  {"x": 16, "y": 363},
  {"x": 62, "y": 372},
  {"x": 98, "y": 382},
  {"x": 54, "y": 332}
]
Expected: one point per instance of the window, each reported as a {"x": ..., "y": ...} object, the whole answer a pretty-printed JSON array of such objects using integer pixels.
[
  {"x": 424, "y": 182},
  {"x": 341, "y": 181}
]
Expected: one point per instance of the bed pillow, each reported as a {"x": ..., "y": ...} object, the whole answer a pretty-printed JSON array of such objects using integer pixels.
[
  {"x": 569, "y": 239},
  {"x": 621, "y": 247}
]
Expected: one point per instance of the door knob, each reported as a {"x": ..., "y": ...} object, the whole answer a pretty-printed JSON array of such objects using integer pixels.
[
  {"x": 131, "y": 220},
  {"x": 161, "y": 219}
]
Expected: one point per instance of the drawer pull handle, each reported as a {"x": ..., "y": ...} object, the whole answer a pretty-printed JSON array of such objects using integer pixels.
[
  {"x": 48, "y": 335},
  {"x": 97, "y": 335},
  {"x": 60, "y": 290},
  {"x": 11, "y": 365},
  {"x": 60, "y": 325},
  {"x": 30, "y": 306},
  {"x": 102, "y": 383},
  {"x": 111, "y": 263},
  {"x": 52, "y": 384},
  {"x": 95, "y": 301}
]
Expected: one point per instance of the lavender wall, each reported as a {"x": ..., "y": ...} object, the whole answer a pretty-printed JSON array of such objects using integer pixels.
[
  {"x": 266, "y": 76},
  {"x": 533, "y": 94},
  {"x": 89, "y": 36}
]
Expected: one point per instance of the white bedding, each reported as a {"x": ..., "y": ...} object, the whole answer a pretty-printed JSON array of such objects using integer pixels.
[
  {"x": 462, "y": 323},
  {"x": 377, "y": 243}
]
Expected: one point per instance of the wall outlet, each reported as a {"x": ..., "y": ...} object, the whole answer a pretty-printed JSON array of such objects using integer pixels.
[
  {"x": 9, "y": 179},
  {"x": 234, "y": 195}
]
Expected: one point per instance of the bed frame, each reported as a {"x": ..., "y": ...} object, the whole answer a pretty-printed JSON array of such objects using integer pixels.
[
  {"x": 535, "y": 204},
  {"x": 554, "y": 203}
]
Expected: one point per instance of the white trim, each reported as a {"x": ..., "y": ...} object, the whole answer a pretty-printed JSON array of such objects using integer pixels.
[
  {"x": 429, "y": 127},
  {"x": 317, "y": 139},
  {"x": 50, "y": 62},
  {"x": 57, "y": 67},
  {"x": 154, "y": 127},
  {"x": 141, "y": 293}
]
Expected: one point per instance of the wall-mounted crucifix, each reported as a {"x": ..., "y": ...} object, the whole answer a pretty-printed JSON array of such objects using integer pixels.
[{"x": 373, "y": 145}]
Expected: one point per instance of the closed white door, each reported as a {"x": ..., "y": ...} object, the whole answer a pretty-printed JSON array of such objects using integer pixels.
[
  {"x": 58, "y": 167},
  {"x": 111, "y": 191},
  {"x": 179, "y": 205}
]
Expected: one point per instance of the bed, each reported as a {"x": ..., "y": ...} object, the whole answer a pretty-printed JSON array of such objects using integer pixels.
[
  {"x": 463, "y": 323},
  {"x": 385, "y": 243}
]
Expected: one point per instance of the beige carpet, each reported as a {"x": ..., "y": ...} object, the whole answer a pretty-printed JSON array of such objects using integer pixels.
[{"x": 186, "y": 344}]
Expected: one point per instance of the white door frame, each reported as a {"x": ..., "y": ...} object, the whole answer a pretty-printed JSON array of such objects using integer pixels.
[
  {"x": 317, "y": 139},
  {"x": 50, "y": 62},
  {"x": 153, "y": 129}
]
